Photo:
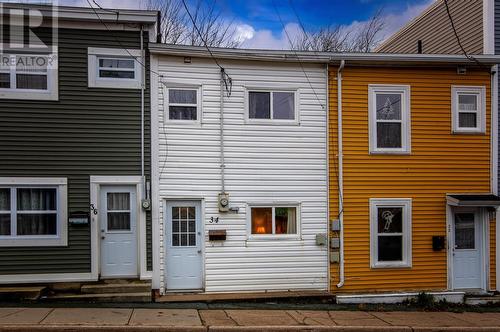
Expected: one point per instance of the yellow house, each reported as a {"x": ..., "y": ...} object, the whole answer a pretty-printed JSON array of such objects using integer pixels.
[{"x": 411, "y": 202}]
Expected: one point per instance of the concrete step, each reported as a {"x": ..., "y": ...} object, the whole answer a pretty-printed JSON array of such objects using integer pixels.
[
  {"x": 21, "y": 293},
  {"x": 107, "y": 288},
  {"x": 482, "y": 300},
  {"x": 103, "y": 298}
]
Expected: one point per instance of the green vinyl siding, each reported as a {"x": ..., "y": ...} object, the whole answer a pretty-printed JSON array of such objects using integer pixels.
[{"x": 88, "y": 131}]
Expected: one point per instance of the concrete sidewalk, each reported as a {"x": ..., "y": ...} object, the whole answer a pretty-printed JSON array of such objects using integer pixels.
[{"x": 156, "y": 320}]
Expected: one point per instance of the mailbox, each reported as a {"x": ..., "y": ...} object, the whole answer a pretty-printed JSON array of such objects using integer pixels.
[
  {"x": 438, "y": 243},
  {"x": 79, "y": 218},
  {"x": 217, "y": 235}
]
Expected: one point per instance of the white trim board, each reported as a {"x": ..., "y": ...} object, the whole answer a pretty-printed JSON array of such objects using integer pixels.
[
  {"x": 488, "y": 27},
  {"x": 452, "y": 297},
  {"x": 49, "y": 277}
]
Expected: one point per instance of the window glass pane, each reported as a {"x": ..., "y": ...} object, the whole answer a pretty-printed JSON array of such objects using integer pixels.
[
  {"x": 4, "y": 199},
  {"x": 37, "y": 224},
  {"x": 116, "y": 74},
  {"x": 262, "y": 222},
  {"x": 4, "y": 224},
  {"x": 390, "y": 248},
  {"x": 175, "y": 240},
  {"x": 118, "y": 201},
  {"x": 390, "y": 219},
  {"x": 388, "y": 106},
  {"x": 283, "y": 105},
  {"x": 36, "y": 199},
  {"x": 182, "y": 113},
  {"x": 31, "y": 81},
  {"x": 259, "y": 105},
  {"x": 182, "y": 96},
  {"x": 4, "y": 80},
  {"x": 117, "y": 63},
  {"x": 464, "y": 231},
  {"x": 183, "y": 226},
  {"x": 467, "y": 120},
  {"x": 184, "y": 240},
  {"x": 467, "y": 102},
  {"x": 192, "y": 240},
  {"x": 118, "y": 221},
  {"x": 285, "y": 220},
  {"x": 32, "y": 63},
  {"x": 388, "y": 135}
]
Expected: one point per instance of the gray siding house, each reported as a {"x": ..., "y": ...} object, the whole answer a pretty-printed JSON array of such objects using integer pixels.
[
  {"x": 75, "y": 145},
  {"x": 477, "y": 24}
]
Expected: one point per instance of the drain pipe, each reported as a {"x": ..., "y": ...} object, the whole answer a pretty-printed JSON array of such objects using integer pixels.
[
  {"x": 222, "y": 161},
  {"x": 143, "y": 83},
  {"x": 340, "y": 172}
]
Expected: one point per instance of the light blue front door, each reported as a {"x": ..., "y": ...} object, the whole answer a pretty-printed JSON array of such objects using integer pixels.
[{"x": 183, "y": 246}]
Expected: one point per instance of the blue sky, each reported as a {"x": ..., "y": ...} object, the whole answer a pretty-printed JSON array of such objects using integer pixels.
[{"x": 258, "y": 25}]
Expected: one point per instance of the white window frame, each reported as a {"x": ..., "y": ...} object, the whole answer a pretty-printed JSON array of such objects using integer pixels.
[
  {"x": 404, "y": 90},
  {"x": 198, "y": 104},
  {"x": 480, "y": 92},
  {"x": 273, "y": 205},
  {"x": 61, "y": 238},
  {"x": 52, "y": 92},
  {"x": 406, "y": 204},
  {"x": 96, "y": 53},
  {"x": 271, "y": 121}
]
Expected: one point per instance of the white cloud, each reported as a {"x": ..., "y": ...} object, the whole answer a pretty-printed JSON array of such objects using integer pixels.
[{"x": 265, "y": 39}]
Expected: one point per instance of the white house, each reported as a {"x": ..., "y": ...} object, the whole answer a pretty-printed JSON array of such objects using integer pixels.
[{"x": 242, "y": 198}]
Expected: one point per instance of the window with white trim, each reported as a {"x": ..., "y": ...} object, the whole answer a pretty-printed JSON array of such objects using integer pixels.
[
  {"x": 114, "y": 68},
  {"x": 33, "y": 212},
  {"x": 468, "y": 109},
  {"x": 279, "y": 220},
  {"x": 183, "y": 104},
  {"x": 271, "y": 105},
  {"x": 390, "y": 233},
  {"x": 389, "y": 111},
  {"x": 28, "y": 76}
]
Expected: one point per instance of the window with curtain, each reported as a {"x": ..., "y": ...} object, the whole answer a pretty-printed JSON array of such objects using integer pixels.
[
  {"x": 271, "y": 105},
  {"x": 183, "y": 104},
  {"x": 25, "y": 72},
  {"x": 273, "y": 220},
  {"x": 389, "y": 119},
  {"x": 29, "y": 211},
  {"x": 468, "y": 109},
  {"x": 118, "y": 211},
  {"x": 390, "y": 232}
]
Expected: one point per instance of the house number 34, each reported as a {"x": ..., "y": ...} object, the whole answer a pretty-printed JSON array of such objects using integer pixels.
[{"x": 214, "y": 220}]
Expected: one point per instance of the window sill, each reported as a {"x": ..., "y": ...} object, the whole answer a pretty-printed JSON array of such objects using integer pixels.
[
  {"x": 400, "y": 265},
  {"x": 389, "y": 152},
  {"x": 468, "y": 132},
  {"x": 33, "y": 241},
  {"x": 115, "y": 84},
  {"x": 272, "y": 122},
  {"x": 29, "y": 95},
  {"x": 266, "y": 238}
]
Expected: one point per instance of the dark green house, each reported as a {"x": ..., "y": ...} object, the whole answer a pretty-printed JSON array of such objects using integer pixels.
[{"x": 74, "y": 144}]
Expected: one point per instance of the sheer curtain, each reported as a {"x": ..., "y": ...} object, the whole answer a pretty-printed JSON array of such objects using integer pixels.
[
  {"x": 32, "y": 200},
  {"x": 118, "y": 211},
  {"x": 292, "y": 221}
]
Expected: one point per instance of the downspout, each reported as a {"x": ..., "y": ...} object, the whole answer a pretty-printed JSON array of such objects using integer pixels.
[
  {"x": 222, "y": 161},
  {"x": 340, "y": 173},
  {"x": 143, "y": 84}
]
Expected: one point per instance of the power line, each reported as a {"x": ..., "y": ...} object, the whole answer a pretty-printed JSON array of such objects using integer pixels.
[
  {"x": 296, "y": 55},
  {"x": 471, "y": 58}
]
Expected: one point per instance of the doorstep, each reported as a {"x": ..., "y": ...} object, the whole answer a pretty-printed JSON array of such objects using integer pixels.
[{"x": 212, "y": 297}]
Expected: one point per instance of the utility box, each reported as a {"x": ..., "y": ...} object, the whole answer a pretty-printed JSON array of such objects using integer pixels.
[
  {"x": 223, "y": 202},
  {"x": 335, "y": 243},
  {"x": 321, "y": 239},
  {"x": 334, "y": 257},
  {"x": 335, "y": 224}
]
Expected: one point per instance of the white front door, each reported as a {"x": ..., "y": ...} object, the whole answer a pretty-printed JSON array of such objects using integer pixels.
[
  {"x": 118, "y": 233},
  {"x": 183, "y": 244},
  {"x": 467, "y": 249}
]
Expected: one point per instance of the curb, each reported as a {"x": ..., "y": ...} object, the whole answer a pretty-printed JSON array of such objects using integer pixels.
[{"x": 297, "y": 328}]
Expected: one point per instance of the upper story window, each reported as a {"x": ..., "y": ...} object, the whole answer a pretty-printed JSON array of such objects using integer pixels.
[
  {"x": 183, "y": 104},
  {"x": 33, "y": 212},
  {"x": 390, "y": 230},
  {"x": 28, "y": 76},
  {"x": 389, "y": 112},
  {"x": 271, "y": 221},
  {"x": 114, "y": 68},
  {"x": 468, "y": 109},
  {"x": 279, "y": 106}
]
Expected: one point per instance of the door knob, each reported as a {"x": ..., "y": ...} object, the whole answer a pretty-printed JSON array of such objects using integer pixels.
[{"x": 103, "y": 237}]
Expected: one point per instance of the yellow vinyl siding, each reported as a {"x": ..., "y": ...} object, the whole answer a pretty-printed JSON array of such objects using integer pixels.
[{"x": 440, "y": 162}]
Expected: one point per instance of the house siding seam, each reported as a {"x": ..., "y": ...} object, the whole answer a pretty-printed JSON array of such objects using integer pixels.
[
  {"x": 434, "y": 30},
  {"x": 263, "y": 163},
  {"x": 88, "y": 131},
  {"x": 439, "y": 163}
]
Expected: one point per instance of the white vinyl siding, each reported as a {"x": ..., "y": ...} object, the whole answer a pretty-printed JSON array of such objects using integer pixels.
[{"x": 264, "y": 163}]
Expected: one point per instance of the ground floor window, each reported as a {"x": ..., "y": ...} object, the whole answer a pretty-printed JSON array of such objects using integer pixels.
[
  {"x": 33, "y": 212},
  {"x": 390, "y": 229},
  {"x": 273, "y": 221}
]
